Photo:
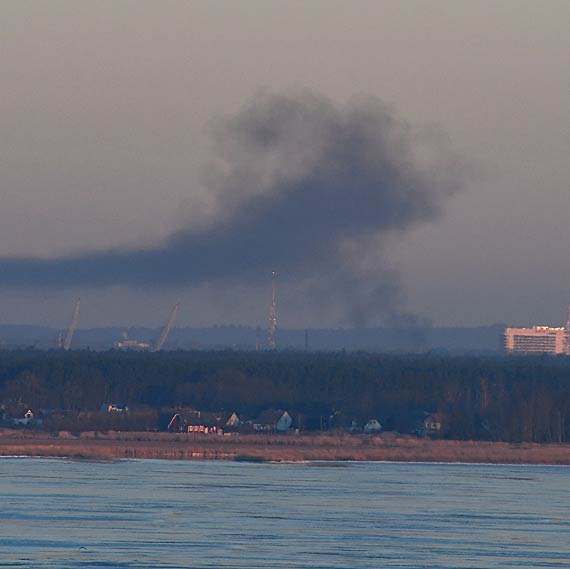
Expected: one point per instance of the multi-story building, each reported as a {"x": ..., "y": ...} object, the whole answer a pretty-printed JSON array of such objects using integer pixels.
[{"x": 536, "y": 340}]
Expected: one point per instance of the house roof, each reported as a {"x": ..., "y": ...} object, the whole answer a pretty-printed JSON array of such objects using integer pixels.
[
  {"x": 270, "y": 416},
  {"x": 106, "y": 406},
  {"x": 205, "y": 418},
  {"x": 176, "y": 420},
  {"x": 436, "y": 417}
]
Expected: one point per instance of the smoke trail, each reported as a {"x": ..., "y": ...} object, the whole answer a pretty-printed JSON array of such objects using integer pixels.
[{"x": 297, "y": 182}]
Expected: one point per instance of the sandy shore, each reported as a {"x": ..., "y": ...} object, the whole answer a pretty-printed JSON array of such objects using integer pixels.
[{"x": 337, "y": 447}]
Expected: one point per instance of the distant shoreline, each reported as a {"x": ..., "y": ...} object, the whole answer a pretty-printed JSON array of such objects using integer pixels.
[{"x": 275, "y": 448}]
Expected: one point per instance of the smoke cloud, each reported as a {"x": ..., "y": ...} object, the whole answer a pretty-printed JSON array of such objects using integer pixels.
[{"x": 299, "y": 185}]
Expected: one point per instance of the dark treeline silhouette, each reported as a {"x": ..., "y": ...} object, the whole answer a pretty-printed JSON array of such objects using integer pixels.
[{"x": 494, "y": 398}]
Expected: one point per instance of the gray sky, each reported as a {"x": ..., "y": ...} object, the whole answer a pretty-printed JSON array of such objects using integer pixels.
[{"x": 106, "y": 115}]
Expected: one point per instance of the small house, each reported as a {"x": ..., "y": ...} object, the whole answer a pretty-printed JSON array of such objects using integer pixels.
[
  {"x": 178, "y": 424},
  {"x": 205, "y": 429},
  {"x": 114, "y": 408},
  {"x": 354, "y": 428},
  {"x": 433, "y": 423},
  {"x": 206, "y": 424},
  {"x": 26, "y": 418},
  {"x": 203, "y": 422},
  {"x": 273, "y": 421},
  {"x": 233, "y": 421},
  {"x": 372, "y": 427}
]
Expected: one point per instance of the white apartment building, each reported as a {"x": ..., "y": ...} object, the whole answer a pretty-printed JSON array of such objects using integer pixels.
[{"x": 536, "y": 340}]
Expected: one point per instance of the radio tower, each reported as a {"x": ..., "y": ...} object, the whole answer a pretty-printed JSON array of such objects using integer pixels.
[{"x": 272, "y": 313}]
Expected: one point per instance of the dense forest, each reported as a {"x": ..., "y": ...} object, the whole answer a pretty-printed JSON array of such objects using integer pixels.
[{"x": 494, "y": 398}]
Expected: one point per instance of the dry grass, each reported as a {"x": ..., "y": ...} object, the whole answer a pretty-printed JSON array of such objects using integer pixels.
[{"x": 308, "y": 447}]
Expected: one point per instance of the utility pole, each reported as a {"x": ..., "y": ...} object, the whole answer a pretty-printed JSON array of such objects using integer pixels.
[{"x": 271, "y": 342}]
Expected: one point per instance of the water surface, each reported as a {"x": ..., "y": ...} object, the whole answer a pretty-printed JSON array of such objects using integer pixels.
[{"x": 169, "y": 514}]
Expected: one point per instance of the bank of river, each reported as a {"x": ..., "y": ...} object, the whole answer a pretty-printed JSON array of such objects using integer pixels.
[{"x": 332, "y": 447}]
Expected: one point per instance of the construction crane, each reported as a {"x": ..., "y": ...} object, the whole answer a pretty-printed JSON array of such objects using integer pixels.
[
  {"x": 72, "y": 326},
  {"x": 160, "y": 343}
]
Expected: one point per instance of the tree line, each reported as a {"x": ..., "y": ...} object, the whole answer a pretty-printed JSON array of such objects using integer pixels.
[{"x": 481, "y": 397}]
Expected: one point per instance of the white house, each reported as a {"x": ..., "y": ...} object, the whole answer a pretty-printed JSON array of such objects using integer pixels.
[
  {"x": 273, "y": 421},
  {"x": 372, "y": 427}
]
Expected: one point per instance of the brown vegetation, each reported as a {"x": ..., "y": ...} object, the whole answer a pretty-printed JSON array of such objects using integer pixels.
[{"x": 329, "y": 447}]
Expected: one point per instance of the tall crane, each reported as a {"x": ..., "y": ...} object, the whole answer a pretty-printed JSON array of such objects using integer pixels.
[
  {"x": 160, "y": 343},
  {"x": 72, "y": 326}
]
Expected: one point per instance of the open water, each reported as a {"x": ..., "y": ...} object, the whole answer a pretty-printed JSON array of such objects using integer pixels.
[{"x": 79, "y": 514}]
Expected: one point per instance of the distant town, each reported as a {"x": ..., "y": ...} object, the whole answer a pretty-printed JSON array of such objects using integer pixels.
[
  {"x": 227, "y": 381},
  {"x": 494, "y": 339},
  {"x": 238, "y": 392},
  {"x": 485, "y": 339}
]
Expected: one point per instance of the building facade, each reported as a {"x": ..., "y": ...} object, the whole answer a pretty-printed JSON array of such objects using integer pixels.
[{"x": 536, "y": 340}]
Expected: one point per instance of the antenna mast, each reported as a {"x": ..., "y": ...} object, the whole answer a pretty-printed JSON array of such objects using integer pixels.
[
  {"x": 72, "y": 326},
  {"x": 273, "y": 313},
  {"x": 166, "y": 329}
]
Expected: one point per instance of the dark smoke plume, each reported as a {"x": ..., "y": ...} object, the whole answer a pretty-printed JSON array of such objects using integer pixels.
[{"x": 301, "y": 186}]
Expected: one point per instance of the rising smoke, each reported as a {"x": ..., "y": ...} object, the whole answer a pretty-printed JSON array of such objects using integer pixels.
[{"x": 301, "y": 186}]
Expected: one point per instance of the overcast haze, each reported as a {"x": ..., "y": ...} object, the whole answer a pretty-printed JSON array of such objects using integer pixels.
[{"x": 108, "y": 122}]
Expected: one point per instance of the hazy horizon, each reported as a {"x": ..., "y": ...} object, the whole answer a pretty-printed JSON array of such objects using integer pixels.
[{"x": 397, "y": 163}]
